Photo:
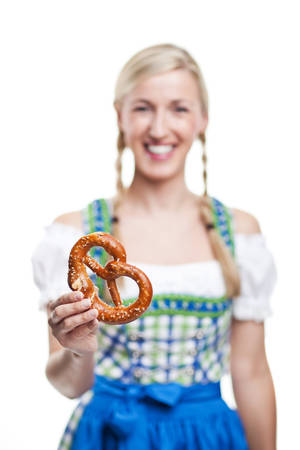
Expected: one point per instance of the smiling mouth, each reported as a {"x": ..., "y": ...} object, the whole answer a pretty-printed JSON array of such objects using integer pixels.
[{"x": 159, "y": 149}]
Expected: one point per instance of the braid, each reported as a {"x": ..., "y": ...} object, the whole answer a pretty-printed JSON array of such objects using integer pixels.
[
  {"x": 119, "y": 184},
  {"x": 120, "y": 147},
  {"x": 204, "y": 160},
  {"x": 220, "y": 250}
]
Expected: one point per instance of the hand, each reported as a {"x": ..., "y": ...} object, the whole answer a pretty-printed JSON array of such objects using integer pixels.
[{"x": 74, "y": 323}]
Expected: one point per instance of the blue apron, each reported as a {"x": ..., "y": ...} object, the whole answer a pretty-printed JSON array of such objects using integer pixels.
[{"x": 158, "y": 416}]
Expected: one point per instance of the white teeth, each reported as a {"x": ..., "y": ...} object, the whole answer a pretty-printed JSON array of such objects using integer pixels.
[{"x": 160, "y": 149}]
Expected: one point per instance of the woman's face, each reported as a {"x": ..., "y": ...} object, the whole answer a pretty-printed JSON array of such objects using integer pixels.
[{"x": 160, "y": 119}]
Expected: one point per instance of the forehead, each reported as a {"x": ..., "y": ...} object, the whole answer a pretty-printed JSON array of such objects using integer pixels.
[{"x": 168, "y": 86}]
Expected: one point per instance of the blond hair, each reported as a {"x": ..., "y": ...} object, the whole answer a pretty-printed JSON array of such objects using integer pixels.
[{"x": 144, "y": 64}]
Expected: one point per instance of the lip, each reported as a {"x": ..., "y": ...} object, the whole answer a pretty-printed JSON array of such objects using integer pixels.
[
  {"x": 159, "y": 143},
  {"x": 157, "y": 156}
]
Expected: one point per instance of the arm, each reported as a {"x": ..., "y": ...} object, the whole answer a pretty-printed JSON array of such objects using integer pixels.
[
  {"x": 72, "y": 343},
  {"x": 72, "y": 336},
  {"x": 251, "y": 377},
  {"x": 253, "y": 385}
]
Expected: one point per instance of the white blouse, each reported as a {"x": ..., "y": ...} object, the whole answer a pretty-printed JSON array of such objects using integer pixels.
[{"x": 255, "y": 262}]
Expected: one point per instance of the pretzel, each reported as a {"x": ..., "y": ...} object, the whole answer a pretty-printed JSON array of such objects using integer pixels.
[{"x": 79, "y": 280}]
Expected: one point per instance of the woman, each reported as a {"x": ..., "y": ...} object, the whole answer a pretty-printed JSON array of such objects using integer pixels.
[{"x": 154, "y": 383}]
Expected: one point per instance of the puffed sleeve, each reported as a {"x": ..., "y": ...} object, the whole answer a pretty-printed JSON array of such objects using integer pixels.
[
  {"x": 258, "y": 275},
  {"x": 50, "y": 261}
]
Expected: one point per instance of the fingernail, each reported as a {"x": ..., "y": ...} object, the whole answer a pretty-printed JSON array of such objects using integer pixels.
[
  {"x": 86, "y": 302},
  {"x": 79, "y": 295}
]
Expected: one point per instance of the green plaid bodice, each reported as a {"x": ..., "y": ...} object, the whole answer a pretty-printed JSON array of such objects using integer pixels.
[{"x": 180, "y": 338}]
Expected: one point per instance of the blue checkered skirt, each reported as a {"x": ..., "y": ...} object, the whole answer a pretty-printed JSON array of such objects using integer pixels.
[{"x": 157, "y": 416}]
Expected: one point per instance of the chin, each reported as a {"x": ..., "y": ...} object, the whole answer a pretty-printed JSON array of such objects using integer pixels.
[{"x": 160, "y": 175}]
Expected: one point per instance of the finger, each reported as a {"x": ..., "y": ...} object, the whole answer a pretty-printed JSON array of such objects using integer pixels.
[
  {"x": 66, "y": 298},
  {"x": 84, "y": 330},
  {"x": 63, "y": 311},
  {"x": 71, "y": 322}
]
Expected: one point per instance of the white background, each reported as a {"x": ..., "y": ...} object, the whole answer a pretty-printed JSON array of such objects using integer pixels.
[{"x": 60, "y": 60}]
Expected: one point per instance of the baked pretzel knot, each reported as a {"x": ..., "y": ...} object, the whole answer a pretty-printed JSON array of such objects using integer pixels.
[{"x": 79, "y": 280}]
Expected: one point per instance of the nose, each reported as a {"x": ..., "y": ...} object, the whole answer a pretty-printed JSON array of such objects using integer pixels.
[{"x": 158, "y": 127}]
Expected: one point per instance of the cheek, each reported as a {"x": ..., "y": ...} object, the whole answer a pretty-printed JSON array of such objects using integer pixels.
[
  {"x": 134, "y": 127},
  {"x": 188, "y": 129}
]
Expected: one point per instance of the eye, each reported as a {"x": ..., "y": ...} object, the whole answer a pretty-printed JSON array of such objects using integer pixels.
[
  {"x": 141, "y": 108},
  {"x": 181, "y": 109}
]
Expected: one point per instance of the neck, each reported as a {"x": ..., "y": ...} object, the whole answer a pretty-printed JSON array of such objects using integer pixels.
[{"x": 159, "y": 196}]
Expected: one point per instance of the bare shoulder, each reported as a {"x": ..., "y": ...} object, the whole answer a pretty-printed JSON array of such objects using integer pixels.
[
  {"x": 245, "y": 222},
  {"x": 72, "y": 219}
]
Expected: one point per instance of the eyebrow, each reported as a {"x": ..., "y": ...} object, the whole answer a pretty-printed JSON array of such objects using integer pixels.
[{"x": 143, "y": 100}]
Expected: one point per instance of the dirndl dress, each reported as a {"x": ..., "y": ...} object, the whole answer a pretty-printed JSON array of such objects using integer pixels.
[{"x": 157, "y": 379}]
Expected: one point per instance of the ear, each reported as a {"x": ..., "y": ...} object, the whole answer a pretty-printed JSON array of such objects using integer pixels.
[
  {"x": 118, "y": 109},
  {"x": 203, "y": 124}
]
